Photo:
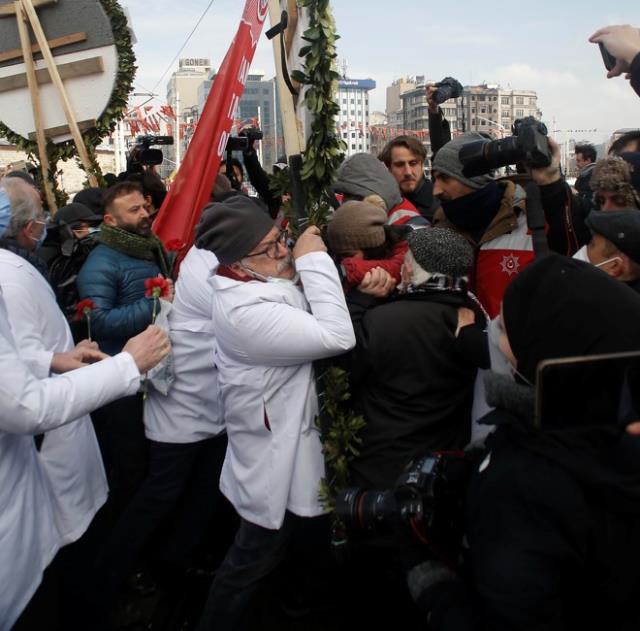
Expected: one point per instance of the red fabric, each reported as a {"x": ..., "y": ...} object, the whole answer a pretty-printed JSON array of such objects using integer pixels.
[
  {"x": 191, "y": 189},
  {"x": 355, "y": 269}
]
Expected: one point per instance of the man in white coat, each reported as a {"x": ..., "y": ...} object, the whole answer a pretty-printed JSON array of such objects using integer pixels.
[
  {"x": 269, "y": 329},
  {"x": 29, "y": 538}
]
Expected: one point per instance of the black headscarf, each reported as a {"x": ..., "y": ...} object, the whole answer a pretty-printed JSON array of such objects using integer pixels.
[{"x": 559, "y": 307}]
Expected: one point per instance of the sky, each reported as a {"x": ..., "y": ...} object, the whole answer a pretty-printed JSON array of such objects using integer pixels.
[{"x": 541, "y": 46}]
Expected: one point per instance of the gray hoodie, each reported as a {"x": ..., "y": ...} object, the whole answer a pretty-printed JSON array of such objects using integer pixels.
[{"x": 363, "y": 175}]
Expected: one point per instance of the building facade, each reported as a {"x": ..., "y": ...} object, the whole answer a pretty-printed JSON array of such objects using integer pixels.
[
  {"x": 353, "y": 118},
  {"x": 182, "y": 96},
  {"x": 258, "y": 107}
]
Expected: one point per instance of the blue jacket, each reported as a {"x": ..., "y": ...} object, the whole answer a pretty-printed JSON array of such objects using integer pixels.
[{"x": 115, "y": 283}]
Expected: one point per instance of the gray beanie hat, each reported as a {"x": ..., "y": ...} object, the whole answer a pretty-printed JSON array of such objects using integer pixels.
[
  {"x": 363, "y": 175},
  {"x": 447, "y": 161},
  {"x": 356, "y": 226},
  {"x": 441, "y": 251},
  {"x": 231, "y": 229}
]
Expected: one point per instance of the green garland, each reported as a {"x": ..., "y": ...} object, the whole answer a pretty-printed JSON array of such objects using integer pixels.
[
  {"x": 325, "y": 150},
  {"x": 323, "y": 154},
  {"x": 113, "y": 112}
]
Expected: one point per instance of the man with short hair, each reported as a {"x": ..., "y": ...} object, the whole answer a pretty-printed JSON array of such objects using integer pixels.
[
  {"x": 490, "y": 215},
  {"x": 585, "y": 162},
  {"x": 269, "y": 329},
  {"x": 629, "y": 141},
  {"x": 113, "y": 277},
  {"x": 405, "y": 156},
  {"x": 615, "y": 245}
]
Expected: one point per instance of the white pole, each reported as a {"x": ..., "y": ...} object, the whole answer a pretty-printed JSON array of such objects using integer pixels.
[
  {"x": 177, "y": 130},
  {"x": 260, "y": 156}
]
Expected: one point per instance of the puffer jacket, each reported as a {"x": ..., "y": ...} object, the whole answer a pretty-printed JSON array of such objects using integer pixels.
[{"x": 115, "y": 283}]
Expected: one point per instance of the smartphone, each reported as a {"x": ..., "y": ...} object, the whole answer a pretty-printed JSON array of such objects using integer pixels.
[
  {"x": 617, "y": 374},
  {"x": 609, "y": 60}
]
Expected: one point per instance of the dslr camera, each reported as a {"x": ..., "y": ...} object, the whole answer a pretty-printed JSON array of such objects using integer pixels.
[
  {"x": 448, "y": 88},
  {"x": 528, "y": 146},
  {"x": 244, "y": 139},
  {"x": 427, "y": 498},
  {"x": 142, "y": 155}
]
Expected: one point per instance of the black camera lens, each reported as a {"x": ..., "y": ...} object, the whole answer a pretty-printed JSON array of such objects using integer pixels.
[{"x": 363, "y": 509}]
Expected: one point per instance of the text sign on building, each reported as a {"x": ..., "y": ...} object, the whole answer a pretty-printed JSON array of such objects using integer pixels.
[
  {"x": 362, "y": 84},
  {"x": 194, "y": 62}
]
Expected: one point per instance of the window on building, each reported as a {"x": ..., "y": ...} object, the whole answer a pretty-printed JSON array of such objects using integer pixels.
[
  {"x": 344, "y": 100},
  {"x": 519, "y": 100},
  {"x": 353, "y": 112},
  {"x": 505, "y": 114},
  {"x": 344, "y": 112},
  {"x": 353, "y": 146},
  {"x": 519, "y": 113},
  {"x": 473, "y": 97},
  {"x": 483, "y": 122},
  {"x": 353, "y": 101},
  {"x": 483, "y": 110},
  {"x": 473, "y": 110},
  {"x": 481, "y": 97},
  {"x": 473, "y": 121},
  {"x": 353, "y": 134}
]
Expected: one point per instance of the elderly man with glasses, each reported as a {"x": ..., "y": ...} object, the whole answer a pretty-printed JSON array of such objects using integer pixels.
[{"x": 269, "y": 329}]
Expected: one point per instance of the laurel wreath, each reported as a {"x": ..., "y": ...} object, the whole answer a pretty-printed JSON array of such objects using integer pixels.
[{"x": 106, "y": 122}]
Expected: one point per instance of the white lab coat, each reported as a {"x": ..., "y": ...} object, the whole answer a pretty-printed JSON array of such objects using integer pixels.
[
  {"x": 191, "y": 411},
  {"x": 29, "y": 537},
  {"x": 266, "y": 340},
  {"x": 70, "y": 454}
]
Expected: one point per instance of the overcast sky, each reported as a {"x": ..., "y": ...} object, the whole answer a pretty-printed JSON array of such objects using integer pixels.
[{"x": 542, "y": 47}]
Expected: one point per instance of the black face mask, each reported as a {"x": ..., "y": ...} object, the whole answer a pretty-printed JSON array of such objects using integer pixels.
[{"x": 476, "y": 210}]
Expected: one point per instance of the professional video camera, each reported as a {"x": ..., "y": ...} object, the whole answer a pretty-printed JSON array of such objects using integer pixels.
[
  {"x": 427, "y": 497},
  {"x": 528, "y": 145},
  {"x": 448, "y": 88},
  {"x": 142, "y": 155},
  {"x": 244, "y": 139}
]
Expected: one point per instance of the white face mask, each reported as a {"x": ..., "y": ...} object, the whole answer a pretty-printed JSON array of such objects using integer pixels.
[
  {"x": 581, "y": 255},
  {"x": 272, "y": 279}
]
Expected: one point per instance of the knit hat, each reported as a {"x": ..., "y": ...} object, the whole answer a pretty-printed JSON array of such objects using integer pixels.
[
  {"x": 92, "y": 198},
  {"x": 621, "y": 227},
  {"x": 356, "y": 225},
  {"x": 363, "y": 175},
  {"x": 441, "y": 251},
  {"x": 231, "y": 229},
  {"x": 614, "y": 175},
  {"x": 447, "y": 161}
]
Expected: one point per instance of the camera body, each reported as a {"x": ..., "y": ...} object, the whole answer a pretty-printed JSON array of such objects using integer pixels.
[
  {"x": 244, "y": 139},
  {"x": 528, "y": 145},
  {"x": 427, "y": 498},
  {"x": 448, "y": 88},
  {"x": 142, "y": 155}
]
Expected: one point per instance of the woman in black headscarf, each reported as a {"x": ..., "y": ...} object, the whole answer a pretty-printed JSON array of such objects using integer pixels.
[{"x": 553, "y": 513}]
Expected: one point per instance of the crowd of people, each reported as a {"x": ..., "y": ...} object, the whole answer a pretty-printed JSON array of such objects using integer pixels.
[{"x": 156, "y": 422}]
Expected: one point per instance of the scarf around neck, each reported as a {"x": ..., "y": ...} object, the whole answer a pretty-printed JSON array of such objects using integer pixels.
[
  {"x": 476, "y": 210},
  {"x": 136, "y": 246}
]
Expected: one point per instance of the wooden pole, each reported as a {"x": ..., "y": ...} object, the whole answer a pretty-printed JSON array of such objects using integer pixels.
[
  {"x": 25, "y": 43},
  {"x": 292, "y": 141},
  {"x": 62, "y": 93}
]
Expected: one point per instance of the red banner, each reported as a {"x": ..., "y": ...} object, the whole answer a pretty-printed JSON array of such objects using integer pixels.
[{"x": 191, "y": 189}]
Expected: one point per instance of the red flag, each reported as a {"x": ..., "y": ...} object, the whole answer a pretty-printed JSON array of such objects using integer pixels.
[
  {"x": 167, "y": 110},
  {"x": 191, "y": 189}
]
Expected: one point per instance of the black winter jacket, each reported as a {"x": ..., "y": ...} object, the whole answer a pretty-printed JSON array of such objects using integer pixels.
[{"x": 409, "y": 380}]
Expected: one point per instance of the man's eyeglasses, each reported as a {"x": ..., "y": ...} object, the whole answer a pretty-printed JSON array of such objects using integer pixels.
[{"x": 271, "y": 247}]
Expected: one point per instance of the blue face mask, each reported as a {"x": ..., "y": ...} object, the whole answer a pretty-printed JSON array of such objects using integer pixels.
[{"x": 5, "y": 211}]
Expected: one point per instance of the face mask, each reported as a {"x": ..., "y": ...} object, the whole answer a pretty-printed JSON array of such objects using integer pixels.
[
  {"x": 5, "y": 211},
  {"x": 40, "y": 240},
  {"x": 273, "y": 279},
  {"x": 581, "y": 255}
]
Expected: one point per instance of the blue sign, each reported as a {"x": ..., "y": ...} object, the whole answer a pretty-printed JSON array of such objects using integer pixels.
[{"x": 360, "y": 84}]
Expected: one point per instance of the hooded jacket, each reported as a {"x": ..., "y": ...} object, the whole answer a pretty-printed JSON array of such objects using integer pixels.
[{"x": 363, "y": 175}]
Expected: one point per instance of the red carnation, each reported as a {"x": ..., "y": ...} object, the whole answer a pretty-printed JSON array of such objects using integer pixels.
[
  {"x": 156, "y": 287},
  {"x": 175, "y": 245},
  {"x": 83, "y": 308}
]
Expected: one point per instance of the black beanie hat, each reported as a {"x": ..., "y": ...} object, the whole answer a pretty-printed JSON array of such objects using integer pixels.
[{"x": 232, "y": 228}]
